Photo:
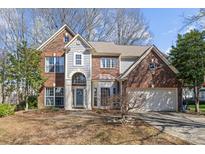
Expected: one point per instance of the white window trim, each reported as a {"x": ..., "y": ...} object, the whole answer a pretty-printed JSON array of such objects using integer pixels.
[
  {"x": 111, "y": 60},
  {"x": 74, "y": 59},
  {"x": 54, "y": 64},
  {"x": 54, "y": 96},
  {"x": 74, "y": 98}
]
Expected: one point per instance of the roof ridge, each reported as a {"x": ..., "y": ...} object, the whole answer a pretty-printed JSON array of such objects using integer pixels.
[{"x": 120, "y": 44}]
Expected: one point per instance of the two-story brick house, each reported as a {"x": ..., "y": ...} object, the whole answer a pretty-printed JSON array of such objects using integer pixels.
[{"x": 82, "y": 74}]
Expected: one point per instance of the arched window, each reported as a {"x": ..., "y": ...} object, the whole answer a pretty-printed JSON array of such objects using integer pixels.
[{"x": 78, "y": 79}]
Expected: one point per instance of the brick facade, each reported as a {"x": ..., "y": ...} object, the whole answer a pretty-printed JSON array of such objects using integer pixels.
[
  {"x": 141, "y": 76},
  {"x": 54, "y": 48},
  {"x": 96, "y": 70},
  {"x": 58, "y": 43}
]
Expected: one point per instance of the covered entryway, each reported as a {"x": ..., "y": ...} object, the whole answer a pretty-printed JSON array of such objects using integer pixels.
[
  {"x": 153, "y": 99},
  {"x": 78, "y": 90}
]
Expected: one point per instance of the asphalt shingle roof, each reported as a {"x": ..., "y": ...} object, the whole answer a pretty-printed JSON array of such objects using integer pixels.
[{"x": 124, "y": 50}]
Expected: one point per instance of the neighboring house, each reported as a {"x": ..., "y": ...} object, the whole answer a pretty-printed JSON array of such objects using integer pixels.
[
  {"x": 202, "y": 94},
  {"x": 188, "y": 94},
  {"x": 83, "y": 75}
]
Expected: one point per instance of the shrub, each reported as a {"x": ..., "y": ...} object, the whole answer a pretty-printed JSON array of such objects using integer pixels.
[
  {"x": 20, "y": 106},
  {"x": 6, "y": 109},
  {"x": 32, "y": 103}
]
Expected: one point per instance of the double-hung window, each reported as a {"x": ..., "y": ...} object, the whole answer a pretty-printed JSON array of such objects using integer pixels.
[
  {"x": 49, "y": 64},
  {"x": 78, "y": 59},
  {"x": 108, "y": 62},
  {"x": 59, "y": 64},
  {"x": 54, "y": 64},
  {"x": 54, "y": 96}
]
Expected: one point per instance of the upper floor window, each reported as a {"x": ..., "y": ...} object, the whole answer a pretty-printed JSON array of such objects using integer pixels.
[
  {"x": 66, "y": 38},
  {"x": 108, "y": 62},
  {"x": 78, "y": 59},
  {"x": 54, "y": 64},
  {"x": 79, "y": 79}
]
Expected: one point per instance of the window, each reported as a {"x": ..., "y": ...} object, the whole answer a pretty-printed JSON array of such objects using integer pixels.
[
  {"x": 49, "y": 64},
  {"x": 66, "y": 38},
  {"x": 54, "y": 64},
  {"x": 59, "y": 64},
  {"x": 105, "y": 94},
  {"x": 152, "y": 66},
  {"x": 79, "y": 79},
  {"x": 95, "y": 97},
  {"x": 78, "y": 59},
  {"x": 54, "y": 96},
  {"x": 114, "y": 91},
  {"x": 50, "y": 97},
  {"x": 108, "y": 62}
]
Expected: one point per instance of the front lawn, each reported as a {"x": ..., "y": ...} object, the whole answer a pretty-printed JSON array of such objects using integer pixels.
[
  {"x": 61, "y": 127},
  {"x": 191, "y": 107}
]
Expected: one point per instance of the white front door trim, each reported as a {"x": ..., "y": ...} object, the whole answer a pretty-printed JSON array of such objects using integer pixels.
[{"x": 74, "y": 96}]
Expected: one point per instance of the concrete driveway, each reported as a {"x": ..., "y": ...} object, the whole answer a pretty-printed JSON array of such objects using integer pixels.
[{"x": 185, "y": 126}]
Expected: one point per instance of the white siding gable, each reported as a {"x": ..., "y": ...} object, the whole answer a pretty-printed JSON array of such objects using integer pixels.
[
  {"x": 126, "y": 63},
  {"x": 77, "y": 46}
]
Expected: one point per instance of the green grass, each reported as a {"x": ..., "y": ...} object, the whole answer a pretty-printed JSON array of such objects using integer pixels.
[{"x": 201, "y": 106}]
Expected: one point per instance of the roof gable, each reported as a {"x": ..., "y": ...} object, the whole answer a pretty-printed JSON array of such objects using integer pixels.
[
  {"x": 78, "y": 36},
  {"x": 64, "y": 27},
  {"x": 154, "y": 49}
]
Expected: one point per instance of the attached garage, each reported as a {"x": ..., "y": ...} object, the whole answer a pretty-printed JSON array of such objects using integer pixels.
[
  {"x": 151, "y": 83},
  {"x": 154, "y": 99}
]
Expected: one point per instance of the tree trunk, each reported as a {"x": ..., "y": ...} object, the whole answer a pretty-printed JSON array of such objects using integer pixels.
[
  {"x": 3, "y": 94},
  {"x": 197, "y": 107},
  {"x": 196, "y": 93},
  {"x": 26, "y": 101}
]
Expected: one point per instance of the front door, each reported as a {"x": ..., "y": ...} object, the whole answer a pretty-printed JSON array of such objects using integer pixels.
[{"x": 79, "y": 97}]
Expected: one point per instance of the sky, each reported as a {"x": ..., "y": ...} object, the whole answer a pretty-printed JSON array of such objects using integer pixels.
[{"x": 165, "y": 24}]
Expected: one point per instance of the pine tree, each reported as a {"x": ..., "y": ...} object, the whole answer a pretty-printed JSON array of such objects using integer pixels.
[
  {"x": 24, "y": 71},
  {"x": 188, "y": 56}
]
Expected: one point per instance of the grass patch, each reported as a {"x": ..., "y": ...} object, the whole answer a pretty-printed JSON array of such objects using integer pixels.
[
  {"x": 201, "y": 107},
  {"x": 103, "y": 136},
  {"x": 6, "y": 109},
  {"x": 60, "y": 127}
]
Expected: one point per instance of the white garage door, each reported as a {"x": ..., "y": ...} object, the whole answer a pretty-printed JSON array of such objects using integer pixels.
[{"x": 153, "y": 99}]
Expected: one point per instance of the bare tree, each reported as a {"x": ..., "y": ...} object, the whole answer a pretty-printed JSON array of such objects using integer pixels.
[
  {"x": 131, "y": 27},
  {"x": 122, "y": 26},
  {"x": 197, "y": 20},
  {"x": 14, "y": 28},
  {"x": 82, "y": 21},
  {"x": 3, "y": 75},
  {"x": 125, "y": 104}
]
